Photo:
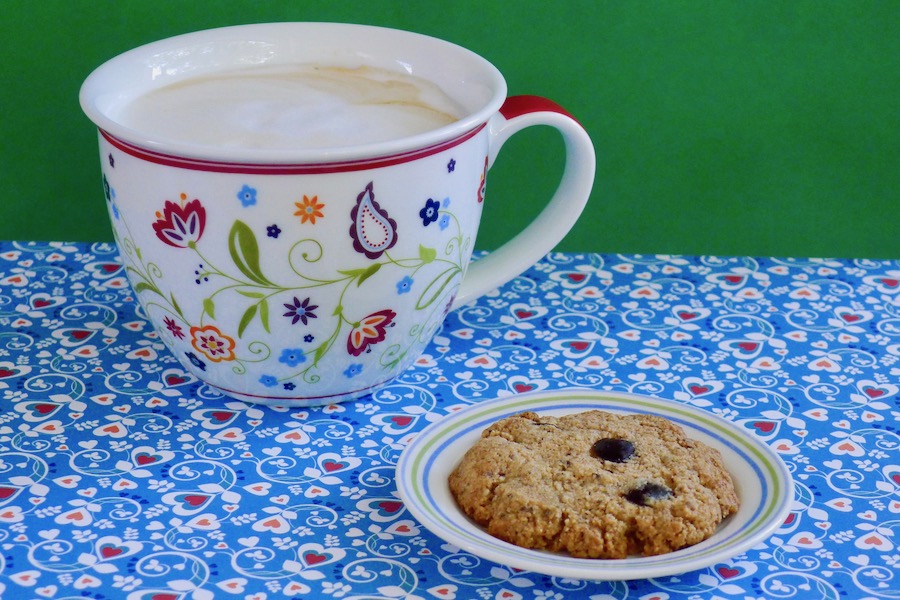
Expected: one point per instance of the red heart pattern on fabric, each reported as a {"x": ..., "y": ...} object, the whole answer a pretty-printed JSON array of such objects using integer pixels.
[{"x": 124, "y": 446}]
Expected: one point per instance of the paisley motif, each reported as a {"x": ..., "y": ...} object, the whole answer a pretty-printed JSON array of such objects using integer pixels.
[{"x": 373, "y": 231}]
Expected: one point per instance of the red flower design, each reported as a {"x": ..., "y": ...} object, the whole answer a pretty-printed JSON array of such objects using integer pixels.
[
  {"x": 370, "y": 330},
  {"x": 173, "y": 327},
  {"x": 181, "y": 225}
]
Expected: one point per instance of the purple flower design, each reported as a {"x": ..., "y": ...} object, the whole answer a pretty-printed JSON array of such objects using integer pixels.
[
  {"x": 273, "y": 231},
  {"x": 300, "y": 311},
  {"x": 195, "y": 361},
  {"x": 429, "y": 212}
]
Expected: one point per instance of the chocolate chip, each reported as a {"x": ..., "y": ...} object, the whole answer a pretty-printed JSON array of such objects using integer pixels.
[
  {"x": 648, "y": 493},
  {"x": 613, "y": 450}
]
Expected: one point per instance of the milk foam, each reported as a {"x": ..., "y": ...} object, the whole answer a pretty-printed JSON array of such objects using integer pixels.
[{"x": 296, "y": 107}]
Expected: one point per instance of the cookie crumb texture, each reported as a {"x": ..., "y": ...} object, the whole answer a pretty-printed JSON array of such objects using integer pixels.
[{"x": 539, "y": 482}]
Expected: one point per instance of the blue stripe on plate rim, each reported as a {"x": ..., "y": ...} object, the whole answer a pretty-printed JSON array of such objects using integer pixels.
[{"x": 419, "y": 456}]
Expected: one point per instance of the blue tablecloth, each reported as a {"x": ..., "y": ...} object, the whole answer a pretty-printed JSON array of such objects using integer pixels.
[{"x": 123, "y": 476}]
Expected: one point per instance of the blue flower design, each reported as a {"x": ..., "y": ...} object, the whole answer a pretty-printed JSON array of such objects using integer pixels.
[
  {"x": 308, "y": 338},
  {"x": 247, "y": 196},
  {"x": 196, "y": 361},
  {"x": 289, "y": 386},
  {"x": 353, "y": 370},
  {"x": 292, "y": 357},
  {"x": 404, "y": 285},
  {"x": 429, "y": 212},
  {"x": 268, "y": 380},
  {"x": 444, "y": 223},
  {"x": 451, "y": 166},
  {"x": 273, "y": 231}
]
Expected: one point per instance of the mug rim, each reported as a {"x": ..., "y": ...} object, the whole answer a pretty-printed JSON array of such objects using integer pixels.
[{"x": 101, "y": 81}]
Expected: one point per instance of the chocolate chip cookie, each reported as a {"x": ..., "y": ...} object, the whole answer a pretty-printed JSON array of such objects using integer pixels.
[{"x": 594, "y": 484}]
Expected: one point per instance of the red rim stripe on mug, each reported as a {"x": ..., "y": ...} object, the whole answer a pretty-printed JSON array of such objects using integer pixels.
[{"x": 196, "y": 164}]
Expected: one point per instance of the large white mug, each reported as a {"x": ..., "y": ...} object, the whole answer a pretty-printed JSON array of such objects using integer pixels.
[{"x": 293, "y": 271}]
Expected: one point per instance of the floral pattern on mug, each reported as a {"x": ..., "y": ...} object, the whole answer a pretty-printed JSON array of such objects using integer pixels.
[
  {"x": 405, "y": 285},
  {"x": 429, "y": 212},
  {"x": 353, "y": 370},
  {"x": 173, "y": 328},
  {"x": 309, "y": 210},
  {"x": 235, "y": 276},
  {"x": 369, "y": 331},
  {"x": 181, "y": 225},
  {"x": 247, "y": 196},
  {"x": 292, "y": 357},
  {"x": 300, "y": 311},
  {"x": 195, "y": 360},
  {"x": 212, "y": 343}
]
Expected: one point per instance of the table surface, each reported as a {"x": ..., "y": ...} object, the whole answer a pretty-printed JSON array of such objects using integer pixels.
[{"x": 122, "y": 476}]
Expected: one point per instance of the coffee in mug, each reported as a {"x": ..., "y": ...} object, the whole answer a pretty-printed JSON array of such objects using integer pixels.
[{"x": 293, "y": 106}]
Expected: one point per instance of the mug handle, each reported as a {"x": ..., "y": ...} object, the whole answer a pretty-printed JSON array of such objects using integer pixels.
[{"x": 557, "y": 218}]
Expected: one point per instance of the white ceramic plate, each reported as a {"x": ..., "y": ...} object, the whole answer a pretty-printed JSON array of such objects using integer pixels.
[{"x": 763, "y": 484}]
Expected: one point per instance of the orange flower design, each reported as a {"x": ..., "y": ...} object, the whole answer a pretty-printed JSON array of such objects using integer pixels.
[
  {"x": 212, "y": 343},
  {"x": 309, "y": 210}
]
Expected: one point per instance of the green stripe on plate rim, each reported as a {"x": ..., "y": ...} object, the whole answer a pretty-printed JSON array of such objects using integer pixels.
[{"x": 723, "y": 428}]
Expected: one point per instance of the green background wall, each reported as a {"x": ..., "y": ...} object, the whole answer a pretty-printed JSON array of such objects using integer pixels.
[{"x": 762, "y": 128}]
